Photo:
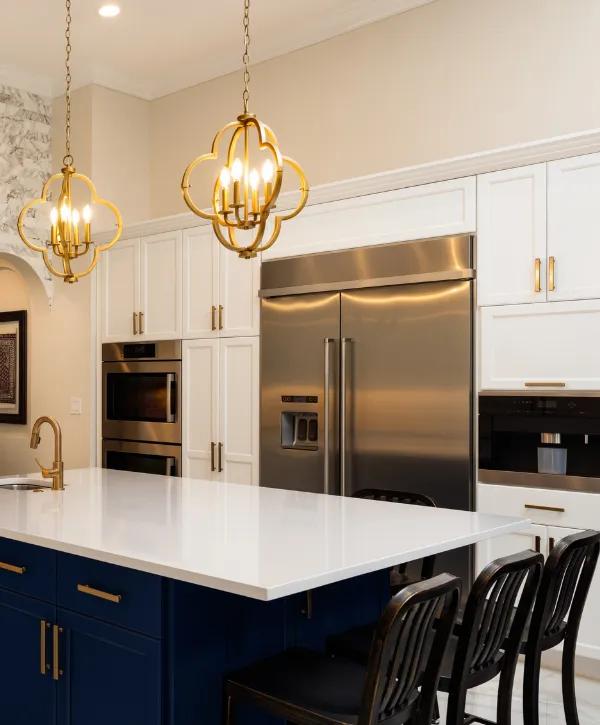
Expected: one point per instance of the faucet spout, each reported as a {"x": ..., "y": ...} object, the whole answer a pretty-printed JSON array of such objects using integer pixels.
[{"x": 56, "y": 472}]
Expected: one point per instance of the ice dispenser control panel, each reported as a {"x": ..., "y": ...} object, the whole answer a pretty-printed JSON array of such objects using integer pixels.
[{"x": 300, "y": 429}]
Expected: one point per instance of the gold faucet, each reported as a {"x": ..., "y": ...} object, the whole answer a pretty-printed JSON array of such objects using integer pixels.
[{"x": 56, "y": 472}]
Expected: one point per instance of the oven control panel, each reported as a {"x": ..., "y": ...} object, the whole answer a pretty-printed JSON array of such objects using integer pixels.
[{"x": 139, "y": 351}]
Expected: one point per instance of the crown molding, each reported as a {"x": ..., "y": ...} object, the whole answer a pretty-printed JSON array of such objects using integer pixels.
[
  {"x": 36, "y": 83},
  {"x": 535, "y": 152}
]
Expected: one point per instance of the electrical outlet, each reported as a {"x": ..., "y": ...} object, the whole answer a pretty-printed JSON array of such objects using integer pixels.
[{"x": 75, "y": 407}]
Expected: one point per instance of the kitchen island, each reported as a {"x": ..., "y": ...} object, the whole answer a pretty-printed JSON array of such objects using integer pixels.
[{"x": 127, "y": 597}]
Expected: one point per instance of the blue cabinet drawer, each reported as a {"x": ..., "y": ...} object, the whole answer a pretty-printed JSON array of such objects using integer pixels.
[
  {"x": 125, "y": 597},
  {"x": 28, "y": 569}
]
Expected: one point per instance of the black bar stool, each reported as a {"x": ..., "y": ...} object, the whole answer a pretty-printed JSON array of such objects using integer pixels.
[
  {"x": 556, "y": 617},
  {"x": 398, "y": 684}
]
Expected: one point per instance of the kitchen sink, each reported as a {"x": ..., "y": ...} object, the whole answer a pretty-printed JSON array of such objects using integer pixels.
[{"x": 21, "y": 483}]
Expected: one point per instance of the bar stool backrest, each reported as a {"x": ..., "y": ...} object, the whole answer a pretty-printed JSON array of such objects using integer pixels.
[{"x": 407, "y": 653}]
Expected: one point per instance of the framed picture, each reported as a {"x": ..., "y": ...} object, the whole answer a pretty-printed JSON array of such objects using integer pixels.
[{"x": 13, "y": 367}]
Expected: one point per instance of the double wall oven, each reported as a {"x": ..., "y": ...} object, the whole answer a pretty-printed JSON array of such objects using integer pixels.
[{"x": 141, "y": 407}]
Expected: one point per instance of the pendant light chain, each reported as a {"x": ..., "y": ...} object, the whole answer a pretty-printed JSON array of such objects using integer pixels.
[
  {"x": 68, "y": 159},
  {"x": 246, "y": 56}
]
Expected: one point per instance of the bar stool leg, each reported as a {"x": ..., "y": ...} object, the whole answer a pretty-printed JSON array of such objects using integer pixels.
[
  {"x": 568, "y": 681},
  {"x": 531, "y": 689}
]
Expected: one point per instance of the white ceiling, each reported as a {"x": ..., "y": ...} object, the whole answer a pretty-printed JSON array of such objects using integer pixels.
[{"x": 156, "y": 47}]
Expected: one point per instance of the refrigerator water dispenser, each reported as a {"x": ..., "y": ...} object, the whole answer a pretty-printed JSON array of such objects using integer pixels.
[{"x": 300, "y": 430}]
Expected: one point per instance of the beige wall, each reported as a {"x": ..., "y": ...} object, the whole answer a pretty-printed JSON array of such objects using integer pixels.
[{"x": 449, "y": 78}]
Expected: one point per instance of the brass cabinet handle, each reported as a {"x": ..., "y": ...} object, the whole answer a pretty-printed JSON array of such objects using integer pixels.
[
  {"x": 84, "y": 589},
  {"x": 14, "y": 569},
  {"x": 44, "y": 667},
  {"x": 56, "y": 671},
  {"x": 220, "y": 317},
  {"x": 212, "y": 456},
  {"x": 135, "y": 332},
  {"x": 213, "y": 313},
  {"x": 538, "y": 274},
  {"x": 220, "y": 458},
  {"x": 556, "y": 509},
  {"x": 141, "y": 323},
  {"x": 545, "y": 385},
  {"x": 551, "y": 284}
]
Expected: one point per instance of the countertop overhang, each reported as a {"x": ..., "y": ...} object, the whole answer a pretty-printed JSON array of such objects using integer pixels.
[{"x": 257, "y": 542}]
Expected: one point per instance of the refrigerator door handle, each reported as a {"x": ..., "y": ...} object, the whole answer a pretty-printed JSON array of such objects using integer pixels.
[
  {"x": 327, "y": 422},
  {"x": 343, "y": 414}
]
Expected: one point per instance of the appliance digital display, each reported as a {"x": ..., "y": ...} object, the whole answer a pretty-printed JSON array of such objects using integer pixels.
[
  {"x": 299, "y": 399},
  {"x": 136, "y": 352}
]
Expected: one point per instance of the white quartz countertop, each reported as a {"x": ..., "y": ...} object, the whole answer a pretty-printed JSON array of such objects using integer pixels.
[{"x": 259, "y": 542}]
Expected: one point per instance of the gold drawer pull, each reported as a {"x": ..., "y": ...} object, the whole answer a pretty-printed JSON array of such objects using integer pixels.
[
  {"x": 551, "y": 275},
  {"x": 555, "y": 509},
  {"x": 545, "y": 385},
  {"x": 15, "y": 569},
  {"x": 84, "y": 589},
  {"x": 538, "y": 274},
  {"x": 56, "y": 671}
]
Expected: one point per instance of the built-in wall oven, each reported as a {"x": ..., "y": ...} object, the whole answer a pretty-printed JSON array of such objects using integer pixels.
[{"x": 141, "y": 404}]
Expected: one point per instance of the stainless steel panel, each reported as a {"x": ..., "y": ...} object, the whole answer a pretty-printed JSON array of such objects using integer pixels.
[
  {"x": 170, "y": 453},
  {"x": 141, "y": 430},
  {"x": 552, "y": 481},
  {"x": 444, "y": 257},
  {"x": 293, "y": 349},
  {"x": 164, "y": 349},
  {"x": 410, "y": 396}
]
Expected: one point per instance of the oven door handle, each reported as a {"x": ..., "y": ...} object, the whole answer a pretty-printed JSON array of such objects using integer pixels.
[{"x": 170, "y": 384}]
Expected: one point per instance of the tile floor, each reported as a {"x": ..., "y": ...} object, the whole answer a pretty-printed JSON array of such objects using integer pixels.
[{"x": 482, "y": 700}]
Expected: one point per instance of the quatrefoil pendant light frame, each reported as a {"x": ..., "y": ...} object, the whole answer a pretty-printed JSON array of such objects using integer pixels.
[
  {"x": 65, "y": 241},
  {"x": 248, "y": 211}
]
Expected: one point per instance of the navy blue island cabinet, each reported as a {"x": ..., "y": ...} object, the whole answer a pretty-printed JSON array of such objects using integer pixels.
[{"x": 86, "y": 643}]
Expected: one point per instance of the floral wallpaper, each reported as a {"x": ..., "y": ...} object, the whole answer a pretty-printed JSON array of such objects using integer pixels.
[{"x": 25, "y": 164}]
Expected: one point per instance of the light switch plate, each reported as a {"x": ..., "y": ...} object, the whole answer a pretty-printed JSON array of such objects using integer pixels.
[{"x": 75, "y": 407}]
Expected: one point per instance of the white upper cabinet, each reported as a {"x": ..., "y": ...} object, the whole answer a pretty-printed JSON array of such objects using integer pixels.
[
  {"x": 160, "y": 286},
  {"x": 220, "y": 290},
  {"x": 546, "y": 346},
  {"x": 511, "y": 236},
  {"x": 574, "y": 228},
  {"x": 119, "y": 283}
]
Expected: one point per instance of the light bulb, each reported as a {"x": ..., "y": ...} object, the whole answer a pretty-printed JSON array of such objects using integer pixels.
[
  {"x": 75, "y": 217},
  {"x": 225, "y": 177},
  {"x": 109, "y": 11},
  {"x": 237, "y": 170},
  {"x": 87, "y": 213},
  {"x": 254, "y": 180},
  {"x": 267, "y": 171},
  {"x": 65, "y": 213},
  {"x": 54, "y": 215}
]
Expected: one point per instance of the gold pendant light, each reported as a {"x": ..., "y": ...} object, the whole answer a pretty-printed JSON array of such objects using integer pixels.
[
  {"x": 246, "y": 207},
  {"x": 70, "y": 231}
]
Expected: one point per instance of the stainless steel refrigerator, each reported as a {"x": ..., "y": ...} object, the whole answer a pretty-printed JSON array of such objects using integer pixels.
[{"x": 367, "y": 373}]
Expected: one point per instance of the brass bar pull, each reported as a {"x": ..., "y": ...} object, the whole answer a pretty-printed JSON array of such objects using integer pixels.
[
  {"x": 551, "y": 544},
  {"x": 556, "y": 509},
  {"x": 212, "y": 456},
  {"x": 538, "y": 274},
  {"x": 213, "y": 313},
  {"x": 56, "y": 671},
  {"x": 538, "y": 544},
  {"x": 551, "y": 276},
  {"x": 220, "y": 458},
  {"x": 14, "y": 569},
  {"x": 220, "y": 317},
  {"x": 84, "y": 589},
  {"x": 44, "y": 667},
  {"x": 141, "y": 323},
  {"x": 135, "y": 331},
  {"x": 545, "y": 385}
]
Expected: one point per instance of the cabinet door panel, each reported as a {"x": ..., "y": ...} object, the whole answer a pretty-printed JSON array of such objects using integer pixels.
[
  {"x": 574, "y": 227},
  {"x": 109, "y": 675},
  {"x": 511, "y": 235},
  {"x": 238, "y": 408},
  {"x": 238, "y": 294},
  {"x": 160, "y": 286},
  {"x": 588, "y": 640},
  {"x": 200, "y": 283},
  {"x": 545, "y": 343},
  {"x": 200, "y": 402},
  {"x": 28, "y": 695},
  {"x": 535, "y": 538},
  {"x": 119, "y": 269}
]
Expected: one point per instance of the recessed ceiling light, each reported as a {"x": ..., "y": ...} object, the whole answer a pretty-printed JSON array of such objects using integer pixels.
[{"x": 109, "y": 11}]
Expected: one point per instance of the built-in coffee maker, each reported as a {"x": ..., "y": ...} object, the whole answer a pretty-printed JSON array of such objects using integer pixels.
[{"x": 540, "y": 440}]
